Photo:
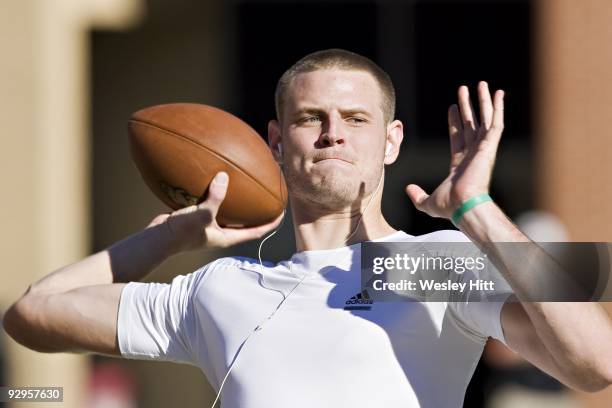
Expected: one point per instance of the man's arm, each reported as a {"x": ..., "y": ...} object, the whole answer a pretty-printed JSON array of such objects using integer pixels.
[
  {"x": 82, "y": 319},
  {"x": 571, "y": 341},
  {"x": 75, "y": 308}
]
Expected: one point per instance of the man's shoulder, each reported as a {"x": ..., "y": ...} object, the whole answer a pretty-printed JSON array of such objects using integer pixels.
[{"x": 237, "y": 262}]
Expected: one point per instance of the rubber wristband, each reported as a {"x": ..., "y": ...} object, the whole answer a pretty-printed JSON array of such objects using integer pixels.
[{"x": 467, "y": 206}]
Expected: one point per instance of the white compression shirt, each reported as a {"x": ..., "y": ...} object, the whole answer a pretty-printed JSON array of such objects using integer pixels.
[{"x": 313, "y": 352}]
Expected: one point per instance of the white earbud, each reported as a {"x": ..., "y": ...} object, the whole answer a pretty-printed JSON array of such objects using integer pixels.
[{"x": 279, "y": 149}]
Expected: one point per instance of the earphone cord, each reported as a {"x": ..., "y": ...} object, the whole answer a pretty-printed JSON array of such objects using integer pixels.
[
  {"x": 257, "y": 328},
  {"x": 285, "y": 297}
]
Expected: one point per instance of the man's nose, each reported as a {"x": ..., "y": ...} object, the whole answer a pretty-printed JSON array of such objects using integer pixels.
[{"x": 331, "y": 133}]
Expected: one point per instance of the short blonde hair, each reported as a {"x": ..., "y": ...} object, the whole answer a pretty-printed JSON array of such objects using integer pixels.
[{"x": 341, "y": 59}]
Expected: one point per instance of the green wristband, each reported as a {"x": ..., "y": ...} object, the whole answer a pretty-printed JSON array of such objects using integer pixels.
[{"x": 467, "y": 206}]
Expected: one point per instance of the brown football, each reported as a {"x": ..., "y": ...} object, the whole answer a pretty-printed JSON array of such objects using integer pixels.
[{"x": 179, "y": 148}]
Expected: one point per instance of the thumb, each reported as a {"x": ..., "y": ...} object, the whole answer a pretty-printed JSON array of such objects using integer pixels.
[
  {"x": 417, "y": 195},
  {"x": 216, "y": 193}
]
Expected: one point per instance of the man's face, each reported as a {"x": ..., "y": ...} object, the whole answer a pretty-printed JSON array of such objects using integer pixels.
[{"x": 333, "y": 134}]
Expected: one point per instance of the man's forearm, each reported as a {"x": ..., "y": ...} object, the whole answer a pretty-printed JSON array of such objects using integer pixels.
[
  {"x": 533, "y": 273},
  {"x": 576, "y": 334},
  {"x": 130, "y": 259}
]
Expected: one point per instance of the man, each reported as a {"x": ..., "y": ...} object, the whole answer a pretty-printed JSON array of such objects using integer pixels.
[{"x": 283, "y": 329}]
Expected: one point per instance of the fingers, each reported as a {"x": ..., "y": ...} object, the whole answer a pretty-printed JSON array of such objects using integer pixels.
[
  {"x": 491, "y": 113},
  {"x": 466, "y": 111},
  {"x": 498, "y": 109},
  {"x": 216, "y": 193},
  {"x": 454, "y": 131},
  {"x": 417, "y": 195},
  {"x": 497, "y": 126},
  {"x": 236, "y": 235},
  {"x": 465, "y": 107},
  {"x": 486, "y": 107}
]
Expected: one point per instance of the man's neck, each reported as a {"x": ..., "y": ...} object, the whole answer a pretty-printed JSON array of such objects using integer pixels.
[{"x": 315, "y": 229}]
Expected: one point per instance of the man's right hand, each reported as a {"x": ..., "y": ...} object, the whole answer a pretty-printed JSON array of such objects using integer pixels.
[{"x": 196, "y": 227}]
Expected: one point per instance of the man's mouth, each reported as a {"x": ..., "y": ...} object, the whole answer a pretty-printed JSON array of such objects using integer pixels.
[{"x": 331, "y": 158}]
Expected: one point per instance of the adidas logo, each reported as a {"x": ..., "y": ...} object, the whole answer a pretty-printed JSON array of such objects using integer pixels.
[{"x": 360, "y": 301}]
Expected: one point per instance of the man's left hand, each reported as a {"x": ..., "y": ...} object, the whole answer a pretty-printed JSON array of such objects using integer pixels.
[{"x": 473, "y": 151}]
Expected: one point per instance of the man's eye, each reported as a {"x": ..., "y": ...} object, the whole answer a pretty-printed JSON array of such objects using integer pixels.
[
  {"x": 356, "y": 119},
  {"x": 310, "y": 119}
]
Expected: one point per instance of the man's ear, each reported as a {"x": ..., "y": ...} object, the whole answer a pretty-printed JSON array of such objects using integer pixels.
[
  {"x": 274, "y": 138},
  {"x": 395, "y": 135}
]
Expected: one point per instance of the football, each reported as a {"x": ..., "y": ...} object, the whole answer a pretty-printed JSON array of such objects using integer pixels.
[{"x": 179, "y": 148}]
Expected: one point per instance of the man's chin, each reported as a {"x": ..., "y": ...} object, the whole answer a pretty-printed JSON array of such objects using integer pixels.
[{"x": 336, "y": 192}]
